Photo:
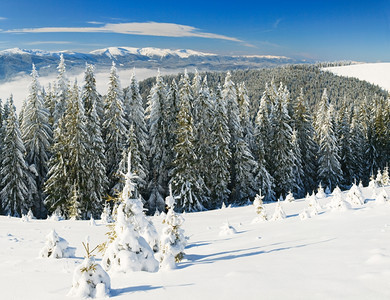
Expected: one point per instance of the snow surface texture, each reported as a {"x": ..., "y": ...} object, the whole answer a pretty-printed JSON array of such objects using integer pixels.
[
  {"x": 376, "y": 73},
  {"x": 333, "y": 255}
]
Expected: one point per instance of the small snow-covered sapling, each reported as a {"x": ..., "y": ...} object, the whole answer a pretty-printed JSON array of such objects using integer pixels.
[
  {"x": 56, "y": 247},
  {"x": 89, "y": 278}
]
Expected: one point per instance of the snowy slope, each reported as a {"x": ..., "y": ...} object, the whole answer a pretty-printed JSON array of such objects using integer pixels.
[
  {"x": 376, "y": 73},
  {"x": 334, "y": 255}
]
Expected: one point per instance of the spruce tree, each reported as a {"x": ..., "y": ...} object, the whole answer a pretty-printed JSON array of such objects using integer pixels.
[
  {"x": 114, "y": 129},
  {"x": 186, "y": 181},
  {"x": 220, "y": 165},
  {"x": 329, "y": 172},
  {"x": 61, "y": 92},
  {"x": 18, "y": 185},
  {"x": 203, "y": 116},
  {"x": 280, "y": 146},
  {"x": 136, "y": 118},
  {"x": 95, "y": 160},
  {"x": 158, "y": 143},
  {"x": 37, "y": 136},
  {"x": 307, "y": 145}
]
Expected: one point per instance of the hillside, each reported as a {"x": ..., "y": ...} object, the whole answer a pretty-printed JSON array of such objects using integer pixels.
[
  {"x": 334, "y": 255},
  {"x": 376, "y": 73}
]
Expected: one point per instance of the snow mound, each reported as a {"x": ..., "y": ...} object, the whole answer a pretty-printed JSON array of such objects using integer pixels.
[
  {"x": 227, "y": 229},
  {"x": 56, "y": 247}
]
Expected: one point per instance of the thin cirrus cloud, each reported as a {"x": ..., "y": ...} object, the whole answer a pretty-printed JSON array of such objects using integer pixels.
[
  {"x": 3, "y": 18},
  {"x": 49, "y": 42},
  {"x": 145, "y": 28}
]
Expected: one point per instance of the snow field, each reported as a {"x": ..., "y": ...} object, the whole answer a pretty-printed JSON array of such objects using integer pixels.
[
  {"x": 375, "y": 73},
  {"x": 332, "y": 255}
]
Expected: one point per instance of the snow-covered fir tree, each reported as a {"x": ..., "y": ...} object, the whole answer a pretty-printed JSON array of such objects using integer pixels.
[
  {"x": 260, "y": 209},
  {"x": 135, "y": 116},
  {"x": 329, "y": 172},
  {"x": 246, "y": 123},
  {"x": 18, "y": 184},
  {"x": 220, "y": 140},
  {"x": 385, "y": 176},
  {"x": 243, "y": 164},
  {"x": 159, "y": 155},
  {"x": 203, "y": 116},
  {"x": 114, "y": 128},
  {"x": 128, "y": 251},
  {"x": 134, "y": 209},
  {"x": 37, "y": 135},
  {"x": 61, "y": 92},
  {"x": 69, "y": 170},
  {"x": 281, "y": 145},
  {"x": 186, "y": 181},
  {"x": 90, "y": 95},
  {"x": 56, "y": 247},
  {"x": 305, "y": 139},
  {"x": 95, "y": 162},
  {"x": 173, "y": 241},
  {"x": 355, "y": 196},
  {"x": 89, "y": 278}
]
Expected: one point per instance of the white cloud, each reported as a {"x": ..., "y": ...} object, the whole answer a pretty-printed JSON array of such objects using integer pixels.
[
  {"x": 276, "y": 23},
  {"x": 48, "y": 42},
  {"x": 2, "y": 18},
  {"x": 95, "y": 23},
  {"x": 146, "y": 28}
]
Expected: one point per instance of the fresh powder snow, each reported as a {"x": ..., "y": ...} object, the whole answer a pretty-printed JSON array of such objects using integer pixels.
[{"x": 332, "y": 255}]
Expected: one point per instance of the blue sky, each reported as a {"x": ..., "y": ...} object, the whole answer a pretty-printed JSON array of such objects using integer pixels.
[{"x": 321, "y": 30}]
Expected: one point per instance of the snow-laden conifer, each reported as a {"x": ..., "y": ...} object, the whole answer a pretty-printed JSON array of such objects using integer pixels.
[
  {"x": 338, "y": 202},
  {"x": 203, "y": 116},
  {"x": 89, "y": 278},
  {"x": 18, "y": 184},
  {"x": 134, "y": 210},
  {"x": 379, "y": 178},
  {"x": 355, "y": 196},
  {"x": 135, "y": 116},
  {"x": 173, "y": 241},
  {"x": 158, "y": 151},
  {"x": 56, "y": 247},
  {"x": 279, "y": 213},
  {"x": 329, "y": 172},
  {"x": 385, "y": 176},
  {"x": 61, "y": 92},
  {"x": 305, "y": 139},
  {"x": 220, "y": 165},
  {"x": 289, "y": 197},
  {"x": 186, "y": 181},
  {"x": 95, "y": 161},
  {"x": 37, "y": 135},
  {"x": 282, "y": 163},
  {"x": 126, "y": 249},
  {"x": 320, "y": 192},
  {"x": 114, "y": 128},
  {"x": 260, "y": 209}
]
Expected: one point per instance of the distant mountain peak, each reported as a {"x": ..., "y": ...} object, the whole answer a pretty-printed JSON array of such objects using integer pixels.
[{"x": 148, "y": 51}]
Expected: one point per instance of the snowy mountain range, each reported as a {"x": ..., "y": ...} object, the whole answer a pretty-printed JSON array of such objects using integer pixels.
[{"x": 18, "y": 61}]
